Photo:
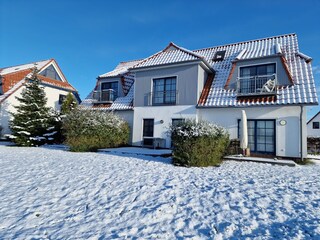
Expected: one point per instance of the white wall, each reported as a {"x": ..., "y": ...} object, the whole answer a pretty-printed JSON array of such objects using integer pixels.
[
  {"x": 313, "y": 132},
  {"x": 189, "y": 83},
  {"x": 8, "y": 105},
  {"x": 158, "y": 113},
  {"x": 52, "y": 95},
  {"x": 287, "y": 137}
]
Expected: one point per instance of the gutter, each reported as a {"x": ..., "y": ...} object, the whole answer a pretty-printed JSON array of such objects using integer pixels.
[
  {"x": 253, "y": 106},
  {"x": 301, "y": 139}
]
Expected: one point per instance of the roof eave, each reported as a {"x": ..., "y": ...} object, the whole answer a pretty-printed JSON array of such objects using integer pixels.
[
  {"x": 265, "y": 105},
  {"x": 255, "y": 58},
  {"x": 205, "y": 63}
]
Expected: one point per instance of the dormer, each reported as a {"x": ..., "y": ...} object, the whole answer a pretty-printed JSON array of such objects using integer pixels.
[{"x": 259, "y": 75}]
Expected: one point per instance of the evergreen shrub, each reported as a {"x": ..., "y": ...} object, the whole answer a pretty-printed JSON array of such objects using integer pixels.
[
  {"x": 90, "y": 130},
  {"x": 33, "y": 123},
  {"x": 198, "y": 144}
]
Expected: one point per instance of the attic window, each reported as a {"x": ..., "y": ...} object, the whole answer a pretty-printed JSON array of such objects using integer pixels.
[{"x": 219, "y": 56}]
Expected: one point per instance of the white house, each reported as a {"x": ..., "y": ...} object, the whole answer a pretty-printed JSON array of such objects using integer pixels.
[
  {"x": 12, "y": 83},
  {"x": 313, "y": 126},
  {"x": 269, "y": 78}
]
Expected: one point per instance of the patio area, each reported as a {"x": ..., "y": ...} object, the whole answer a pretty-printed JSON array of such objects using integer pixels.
[{"x": 276, "y": 161}]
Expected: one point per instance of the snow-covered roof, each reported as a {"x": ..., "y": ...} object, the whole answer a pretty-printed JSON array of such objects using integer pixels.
[
  {"x": 14, "y": 77},
  {"x": 121, "y": 103},
  {"x": 121, "y": 69},
  {"x": 303, "y": 91},
  {"x": 171, "y": 54},
  {"x": 216, "y": 93},
  {"x": 12, "y": 69}
]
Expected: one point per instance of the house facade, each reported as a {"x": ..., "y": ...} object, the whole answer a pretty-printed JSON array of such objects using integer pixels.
[
  {"x": 13, "y": 80},
  {"x": 313, "y": 126},
  {"x": 269, "y": 78}
]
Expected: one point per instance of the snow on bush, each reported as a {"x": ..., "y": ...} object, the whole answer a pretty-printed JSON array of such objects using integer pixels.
[
  {"x": 198, "y": 144},
  {"x": 33, "y": 121},
  {"x": 90, "y": 130}
]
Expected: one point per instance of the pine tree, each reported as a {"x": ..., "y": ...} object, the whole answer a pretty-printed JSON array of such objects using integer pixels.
[
  {"x": 68, "y": 104},
  {"x": 33, "y": 122}
]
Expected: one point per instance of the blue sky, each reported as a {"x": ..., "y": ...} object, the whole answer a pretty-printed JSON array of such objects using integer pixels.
[{"x": 88, "y": 38}]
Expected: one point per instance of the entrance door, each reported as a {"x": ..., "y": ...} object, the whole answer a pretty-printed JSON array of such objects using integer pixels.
[
  {"x": 148, "y": 132},
  {"x": 261, "y": 136}
]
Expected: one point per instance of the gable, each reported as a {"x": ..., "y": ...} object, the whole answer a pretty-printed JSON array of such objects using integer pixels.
[
  {"x": 50, "y": 72},
  {"x": 172, "y": 54},
  {"x": 316, "y": 117}
]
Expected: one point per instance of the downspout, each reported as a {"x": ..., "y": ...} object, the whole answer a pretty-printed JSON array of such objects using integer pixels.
[{"x": 301, "y": 138}]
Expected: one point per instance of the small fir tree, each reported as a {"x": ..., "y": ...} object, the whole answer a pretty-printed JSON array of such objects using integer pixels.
[
  {"x": 33, "y": 123},
  {"x": 68, "y": 104}
]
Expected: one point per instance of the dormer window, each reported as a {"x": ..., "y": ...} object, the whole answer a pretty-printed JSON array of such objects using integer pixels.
[
  {"x": 108, "y": 92},
  {"x": 259, "y": 79}
]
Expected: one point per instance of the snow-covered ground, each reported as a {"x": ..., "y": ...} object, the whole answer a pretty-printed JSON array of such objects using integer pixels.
[{"x": 48, "y": 193}]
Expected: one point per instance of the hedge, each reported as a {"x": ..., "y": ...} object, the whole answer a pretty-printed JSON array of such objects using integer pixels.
[
  {"x": 90, "y": 130},
  {"x": 198, "y": 144}
]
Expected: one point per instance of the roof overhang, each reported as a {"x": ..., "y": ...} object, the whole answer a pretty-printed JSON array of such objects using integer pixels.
[
  {"x": 202, "y": 62},
  {"x": 262, "y": 105},
  {"x": 255, "y": 58}
]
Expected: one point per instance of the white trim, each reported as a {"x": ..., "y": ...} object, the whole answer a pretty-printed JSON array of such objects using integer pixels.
[{"x": 55, "y": 66}]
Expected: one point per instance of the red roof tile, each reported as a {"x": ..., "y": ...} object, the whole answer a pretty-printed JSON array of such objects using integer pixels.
[{"x": 11, "y": 79}]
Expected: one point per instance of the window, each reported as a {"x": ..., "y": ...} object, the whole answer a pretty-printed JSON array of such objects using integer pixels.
[
  {"x": 164, "y": 91},
  {"x": 219, "y": 56},
  {"x": 260, "y": 70},
  {"x": 261, "y": 135},
  {"x": 256, "y": 79},
  {"x": 50, "y": 72},
  {"x": 177, "y": 121},
  {"x": 109, "y": 91},
  {"x": 148, "y": 131},
  {"x": 315, "y": 125},
  {"x": 61, "y": 98}
]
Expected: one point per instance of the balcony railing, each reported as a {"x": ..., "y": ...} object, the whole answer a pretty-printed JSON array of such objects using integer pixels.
[
  {"x": 162, "y": 98},
  {"x": 257, "y": 85},
  {"x": 105, "y": 95}
]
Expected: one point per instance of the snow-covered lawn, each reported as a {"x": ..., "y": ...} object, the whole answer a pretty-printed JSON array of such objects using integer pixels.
[{"x": 50, "y": 193}]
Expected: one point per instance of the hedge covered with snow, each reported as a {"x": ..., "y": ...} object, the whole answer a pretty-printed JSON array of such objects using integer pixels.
[
  {"x": 90, "y": 130},
  {"x": 198, "y": 144}
]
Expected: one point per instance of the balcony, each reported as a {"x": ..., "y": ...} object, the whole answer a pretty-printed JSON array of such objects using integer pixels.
[
  {"x": 257, "y": 85},
  {"x": 161, "y": 98},
  {"x": 105, "y": 95}
]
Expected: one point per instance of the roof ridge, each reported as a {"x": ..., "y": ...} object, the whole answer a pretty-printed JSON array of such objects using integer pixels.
[
  {"x": 146, "y": 59},
  {"x": 167, "y": 47},
  {"x": 134, "y": 60},
  {"x": 50, "y": 59},
  {"x": 186, "y": 50},
  {"x": 248, "y": 41}
]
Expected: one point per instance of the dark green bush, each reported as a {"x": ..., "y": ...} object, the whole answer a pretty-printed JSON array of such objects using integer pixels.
[
  {"x": 198, "y": 144},
  {"x": 90, "y": 130}
]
